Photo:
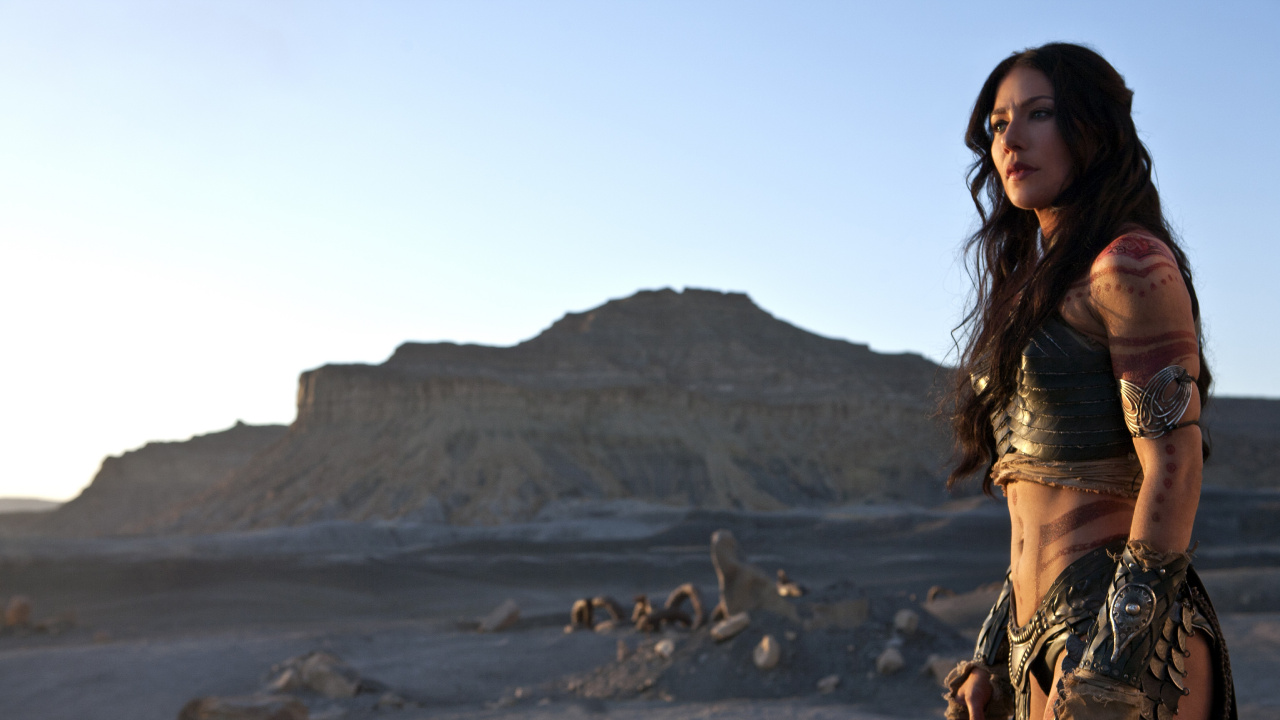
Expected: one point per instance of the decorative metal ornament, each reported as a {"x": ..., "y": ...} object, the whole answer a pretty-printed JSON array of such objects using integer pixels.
[
  {"x": 1132, "y": 608},
  {"x": 1154, "y": 409}
]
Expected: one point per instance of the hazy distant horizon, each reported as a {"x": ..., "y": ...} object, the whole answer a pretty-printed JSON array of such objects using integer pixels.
[{"x": 200, "y": 200}]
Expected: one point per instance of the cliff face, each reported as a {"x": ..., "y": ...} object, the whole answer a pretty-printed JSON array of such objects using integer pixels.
[
  {"x": 130, "y": 490},
  {"x": 695, "y": 398},
  {"x": 1245, "y": 436}
]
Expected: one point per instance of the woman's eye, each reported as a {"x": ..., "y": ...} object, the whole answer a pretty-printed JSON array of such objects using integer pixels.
[
  {"x": 998, "y": 126},
  {"x": 1041, "y": 113}
]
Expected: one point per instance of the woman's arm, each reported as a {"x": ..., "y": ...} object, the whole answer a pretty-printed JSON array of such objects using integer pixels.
[
  {"x": 1138, "y": 646},
  {"x": 1139, "y": 296}
]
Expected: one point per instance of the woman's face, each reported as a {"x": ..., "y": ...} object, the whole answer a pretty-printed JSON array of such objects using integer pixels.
[{"x": 1026, "y": 145}]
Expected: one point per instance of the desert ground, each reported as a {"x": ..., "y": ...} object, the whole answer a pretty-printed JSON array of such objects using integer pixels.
[{"x": 136, "y": 628}]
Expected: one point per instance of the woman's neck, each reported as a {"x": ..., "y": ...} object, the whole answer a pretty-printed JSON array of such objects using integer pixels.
[{"x": 1048, "y": 218}]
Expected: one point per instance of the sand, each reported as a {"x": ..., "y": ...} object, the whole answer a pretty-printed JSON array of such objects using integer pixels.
[{"x": 163, "y": 620}]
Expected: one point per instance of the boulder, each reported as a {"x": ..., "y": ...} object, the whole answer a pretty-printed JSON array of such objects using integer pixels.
[
  {"x": 665, "y": 648},
  {"x": 743, "y": 586},
  {"x": 326, "y": 674},
  {"x": 939, "y": 666},
  {"x": 251, "y": 707},
  {"x": 501, "y": 618}
]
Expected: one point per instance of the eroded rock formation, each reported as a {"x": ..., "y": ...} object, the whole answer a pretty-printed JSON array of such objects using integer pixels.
[
  {"x": 131, "y": 489},
  {"x": 692, "y": 398}
]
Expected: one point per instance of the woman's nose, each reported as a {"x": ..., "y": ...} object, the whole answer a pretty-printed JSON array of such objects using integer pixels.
[{"x": 1012, "y": 138}]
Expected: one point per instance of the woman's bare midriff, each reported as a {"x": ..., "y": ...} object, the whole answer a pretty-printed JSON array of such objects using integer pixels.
[{"x": 1052, "y": 527}]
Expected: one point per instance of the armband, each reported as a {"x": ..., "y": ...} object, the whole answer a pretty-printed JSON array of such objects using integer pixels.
[
  {"x": 1154, "y": 409},
  {"x": 1135, "y": 663}
]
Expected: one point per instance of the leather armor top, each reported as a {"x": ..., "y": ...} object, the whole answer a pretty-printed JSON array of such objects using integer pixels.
[{"x": 1067, "y": 405}]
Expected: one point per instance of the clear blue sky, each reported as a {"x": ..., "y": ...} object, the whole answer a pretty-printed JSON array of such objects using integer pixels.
[{"x": 199, "y": 200}]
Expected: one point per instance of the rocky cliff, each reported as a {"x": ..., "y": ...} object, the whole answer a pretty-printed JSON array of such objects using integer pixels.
[
  {"x": 1245, "y": 437},
  {"x": 693, "y": 398},
  {"x": 131, "y": 489}
]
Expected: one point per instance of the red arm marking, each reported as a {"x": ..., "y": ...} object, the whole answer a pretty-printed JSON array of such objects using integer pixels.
[{"x": 1138, "y": 247}]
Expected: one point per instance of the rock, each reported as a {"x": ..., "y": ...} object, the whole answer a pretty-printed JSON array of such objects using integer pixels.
[
  {"x": 18, "y": 612},
  {"x": 791, "y": 635},
  {"x": 252, "y": 707},
  {"x": 101, "y": 636},
  {"x": 286, "y": 681},
  {"x": 890, "y": 661},
  {"x": 767, "y": 653},
  {"x": 137, "y": 487},
  {"x": 906, "y": 621},
  {"x": 846, "y": 615},
  {"x": 743, "y": 586},
  {"x": 702, "y": 398},
  {"x": 937, "y": 592},
  {"x": 606, "y": 626},
  {"x": 688, "y": 592},
  {"x": 665, "y": 648},
  {"x": 965, "y": 611},
  {"x": 624, "y": 650},
  {"x": 501, "y": 618},
  {"x": 938, "y": 667},
  {"x": 329, "y": 676},
  {"x": 828, "y": 684},
  {"x": 730, "y": 626}
]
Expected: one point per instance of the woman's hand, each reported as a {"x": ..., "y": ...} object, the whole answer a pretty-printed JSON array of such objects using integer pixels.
[{"x": 975, "y": 692}]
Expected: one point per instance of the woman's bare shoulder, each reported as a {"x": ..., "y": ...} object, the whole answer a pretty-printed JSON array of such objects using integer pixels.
[{"x": 1137, "y": 292}]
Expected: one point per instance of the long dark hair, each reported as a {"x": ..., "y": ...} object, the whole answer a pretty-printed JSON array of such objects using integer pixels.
[{"x": 1018, "y": 280}]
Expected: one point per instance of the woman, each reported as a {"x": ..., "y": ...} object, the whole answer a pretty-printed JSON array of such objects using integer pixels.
[{"x": 1084, "y": 356}]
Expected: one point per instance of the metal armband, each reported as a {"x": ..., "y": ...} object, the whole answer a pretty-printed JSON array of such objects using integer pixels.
[
  {"x": 1155, "y": 409},
  {"x": 1138, "y": 646},
  {"x": 993, "y": 641}
]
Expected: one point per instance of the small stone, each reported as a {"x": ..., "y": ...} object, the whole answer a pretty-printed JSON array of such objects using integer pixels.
[
  {"x": 767, "y": 653},
  {"x": 906, "y": 621},
  {"x": 624, "y": 650},
  {"x": 890, "y": 661},
  {"x": 501, "y": 618},
  {"x": 730, "y": 626},
  {"x": 791, "y": 635},
  {"x": 828, "y": 684},
  {"x": 102, "y": 636},
  {"x": 18, "y": 612},
  {"x": 665, "y": 648},
  {"x": 606, "y": 626}
]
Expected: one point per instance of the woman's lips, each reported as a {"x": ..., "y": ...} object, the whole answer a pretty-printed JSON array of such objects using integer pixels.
[{"x": 1019, "y": 171}]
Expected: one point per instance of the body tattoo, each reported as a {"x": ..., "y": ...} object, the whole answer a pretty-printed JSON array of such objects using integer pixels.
[
  {"x": 1138, "y": 247},
  {"x": 1069, "y": 522}
]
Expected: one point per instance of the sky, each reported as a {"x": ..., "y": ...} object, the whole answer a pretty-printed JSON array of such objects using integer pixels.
[{"x": 201, "y": 199}]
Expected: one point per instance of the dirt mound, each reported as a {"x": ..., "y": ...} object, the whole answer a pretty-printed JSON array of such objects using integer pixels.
[{"x": 700, "y": 669}]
